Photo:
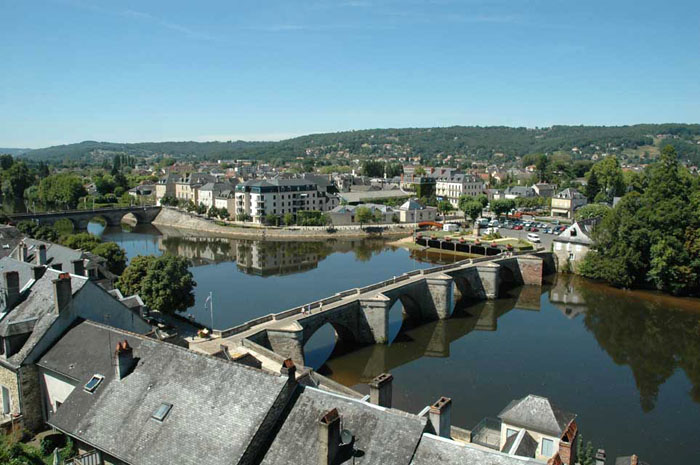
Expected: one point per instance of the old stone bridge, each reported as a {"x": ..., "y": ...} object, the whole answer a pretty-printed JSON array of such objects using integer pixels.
[
  {"x": 81, "y": 218},
  {"x": 362, "y": 315}
]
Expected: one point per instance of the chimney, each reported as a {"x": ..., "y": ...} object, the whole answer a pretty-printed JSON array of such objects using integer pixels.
[
  {"x": 124, "y": 359},
  {"x": 78, "y": 267},
  {"x": 440, "y": 416},
  {"x": 600, "y": 457},
  {"x": 329, "y": 437},
  {"x": 380, "y": 390},
  {"x": 38, "y": 272},
  {"x": 41, "y": 255},
  {"x": 23, "y": 251},
  {"x": 63, "y": 294},
  {"x": 289, "y": 370},
  {"x": 567, "y": 443},
  {"x": 634, "y": 460},
  {"x": 11, "y": 289}
]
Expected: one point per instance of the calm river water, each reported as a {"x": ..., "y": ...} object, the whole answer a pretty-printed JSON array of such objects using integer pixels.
[{"x": 628, "y": 363}]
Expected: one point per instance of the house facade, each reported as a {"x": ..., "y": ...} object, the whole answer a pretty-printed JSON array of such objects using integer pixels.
[
  {"x": 452, "y": 187},
  {"x": 572, "y": 245},
  {"x": 565, "y": 203}
]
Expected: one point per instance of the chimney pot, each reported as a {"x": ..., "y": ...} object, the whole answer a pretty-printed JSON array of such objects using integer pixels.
[
  {"x": 23, "y": 251},
  {"x": 11, "y": 288},
  {"x": 63, "y": 293},
  {"x": 124, "y": 358},
  {"x": 440, "y": 416},
  {"x": 380, "y": 390},
  {"x": 329, "y": 437},
  {"x": 289, "y": 370},
  {"x": 41, "y": 255}
]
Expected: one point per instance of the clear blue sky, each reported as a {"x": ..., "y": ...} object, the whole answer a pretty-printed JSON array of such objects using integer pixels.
[{"x": 128, "y": 71}]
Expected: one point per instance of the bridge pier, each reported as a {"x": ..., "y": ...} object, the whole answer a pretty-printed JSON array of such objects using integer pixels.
[
  {"x": 376, "y": 313},
  {"x": 288, "y": 343},
  {"x": 531, "y": 269},
  {"x": 489, "y": 275},
  {"x": 440, "y": 292}
]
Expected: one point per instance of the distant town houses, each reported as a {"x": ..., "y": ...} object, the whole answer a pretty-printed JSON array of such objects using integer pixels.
[{"x": 455, "y": 185}]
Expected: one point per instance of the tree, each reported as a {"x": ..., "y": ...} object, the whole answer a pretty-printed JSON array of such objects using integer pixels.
[
  {"x": 592, "y": 186},
  {"x": 363, "y": 215},
  {"x": 115, "y": 256},
  {"x": 16, "y": 180},
  {"x": 472, "y": 209},
  {"x": 592, "y": 210},
  {"x": 482, "y": 199},
  {"x": 652, "y": 239},
  {"x": 164, "y": 283},
  {"x": 502, "y": 206},
  {"x": 541, "y": 165},
  {"x": 607, "y": 174},
  {"x": 104, "y": 184},
  {"x": 243, "y": 217},
  {"x": 6, "y": 161},
  {"x": 444, "y": 207},
  {"x": 288, "y": 219},
  {"x": 61, "y": 190},
  {"x": 373, "y": 168},
  {"x": 83, "y": 241},
  {"x": 419, "y": 171}
]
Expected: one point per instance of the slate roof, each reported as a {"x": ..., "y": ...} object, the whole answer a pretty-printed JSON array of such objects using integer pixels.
[
  {"x": 54, "y": 253},
  {"x": 217, "y": 406},
  {"x": 434, "y": 450},
  {"x": 411, "y": 204},
  {"x": 537, "y": 414},
  {"x": 37, "y": 308},
  {"x": 9, "y": 238},
  {"x": 525, "y": 444},
  {"x": 10, "y": 264},
  {"x": 570, "y": 193},
  {"x": 385, "y": 436}
]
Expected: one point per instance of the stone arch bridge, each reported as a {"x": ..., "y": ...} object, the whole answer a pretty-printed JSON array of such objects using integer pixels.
[
  {"x": 362, "y": 315},
  {"x": 81, "y": 218}
]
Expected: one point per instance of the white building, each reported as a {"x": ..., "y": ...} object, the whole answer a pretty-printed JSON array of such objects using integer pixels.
[
  {"x": 261, "y": 197},
  {"x": 454, "y": 186}
]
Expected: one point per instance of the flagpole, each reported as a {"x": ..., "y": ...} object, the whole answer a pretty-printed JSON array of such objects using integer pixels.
[{"x": 211, "y": 309}]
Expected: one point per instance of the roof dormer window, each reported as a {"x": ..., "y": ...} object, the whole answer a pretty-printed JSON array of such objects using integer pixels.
[
  {"x": 95, "y": 381},
  {"x": 162, "y": 411}
]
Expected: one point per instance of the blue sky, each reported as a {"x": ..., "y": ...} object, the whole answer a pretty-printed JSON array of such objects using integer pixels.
[{"x": 128, "y": 71}]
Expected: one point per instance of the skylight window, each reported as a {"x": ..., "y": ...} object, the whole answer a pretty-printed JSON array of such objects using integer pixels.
[
  {"x": 93, "y": 383},
  {"x": 162, "y": 411}
]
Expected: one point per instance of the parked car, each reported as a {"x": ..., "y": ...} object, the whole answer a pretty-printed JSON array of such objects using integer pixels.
[
  {"x": 533, "y": 238},
  {"x": 518, "y": 227}
]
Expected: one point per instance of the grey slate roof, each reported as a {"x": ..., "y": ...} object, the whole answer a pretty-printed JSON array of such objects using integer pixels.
[
  {"x": 10, "y": 264},
  {"x": 434, "y": 450},
  {"x": 385, "y": 436},
  {"x": 54, "y": 253},
  {"x": 9, "y": 238},
  {"x": 411, "y": 204},
  {"x": 217, "y": 406},
  {"x": 38, "y": 305},
  {"x": 537, "y": 414},
  {"x": 525, "y": 445},
  {"x": 570, "y": 193}
]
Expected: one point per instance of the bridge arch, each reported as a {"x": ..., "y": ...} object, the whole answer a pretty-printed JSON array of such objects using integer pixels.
[{"x": 467, "y": 287}]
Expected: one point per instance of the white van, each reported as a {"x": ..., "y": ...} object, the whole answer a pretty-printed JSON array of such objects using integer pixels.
[
  {"x": 451, "y": 227},
  {"x": 532, "y": 237}
]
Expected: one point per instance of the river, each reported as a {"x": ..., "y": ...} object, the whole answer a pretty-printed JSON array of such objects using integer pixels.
[{"x": 628, "y": 363}]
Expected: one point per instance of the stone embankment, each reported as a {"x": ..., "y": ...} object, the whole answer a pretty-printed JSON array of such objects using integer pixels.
[{"x": 197, "y": 225}]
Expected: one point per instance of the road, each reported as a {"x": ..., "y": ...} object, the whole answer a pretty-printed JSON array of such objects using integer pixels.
[{"x": 522, "y": 234}]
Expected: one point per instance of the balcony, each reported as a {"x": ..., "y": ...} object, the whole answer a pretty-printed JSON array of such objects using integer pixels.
[{"x": 88, "y": 458}]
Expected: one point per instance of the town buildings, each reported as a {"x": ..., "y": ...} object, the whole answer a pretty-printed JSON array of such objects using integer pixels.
[
  {"x": 453, "y": 186},
  {"x": 565, "y": 203},
  {"x": 572, "y": 245}
]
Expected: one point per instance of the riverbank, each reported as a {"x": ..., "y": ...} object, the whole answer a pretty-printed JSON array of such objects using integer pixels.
[{"x": 196, "y": 225}]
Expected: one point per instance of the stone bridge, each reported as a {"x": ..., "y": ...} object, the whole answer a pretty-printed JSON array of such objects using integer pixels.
[
  {"x": 362, "y": 315},
  {"x": 81, "y": 218}
]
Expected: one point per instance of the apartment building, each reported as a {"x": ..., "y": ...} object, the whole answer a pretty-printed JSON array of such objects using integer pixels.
[
  {"x": 260, "y": 197},
  {"x": 455, "y": 185}
]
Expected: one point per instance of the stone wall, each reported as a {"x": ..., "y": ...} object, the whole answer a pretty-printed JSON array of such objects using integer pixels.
[
  {"x": 8, "y": 379},
  {"x": 32, "y": 410}
]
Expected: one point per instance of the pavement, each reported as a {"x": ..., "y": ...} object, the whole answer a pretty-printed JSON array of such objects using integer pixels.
[{"x": 546, "y": 239}]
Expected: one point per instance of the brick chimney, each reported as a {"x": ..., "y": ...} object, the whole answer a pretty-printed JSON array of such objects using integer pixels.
[
  {"x": 11, "y": 289},
  {"x": 328, "y": 437},
  {"x": 289, "y": 370},
  {"x": 600, "y": 457},
  {"x": 555, "y": 460},
  {"x": 78, "y": 267},
  {"x": 380, "y": 390},
  {"x": 37, "y": 272},
  {"x": 63, "y": 294},
  {"x": 124, "y": 359},
  {"x": 567, "y": 444},
  {"x": 440, "y": 416},
  {"x": 41, "y": 255}
]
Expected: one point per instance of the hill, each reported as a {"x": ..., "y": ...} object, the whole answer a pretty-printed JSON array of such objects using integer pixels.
[
  {"x": 474, "y": 142},
  {"x": 14, "y": 151}
]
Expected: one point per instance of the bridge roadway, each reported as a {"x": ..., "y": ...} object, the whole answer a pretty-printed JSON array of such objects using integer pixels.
[
  {"x": 362, "y": 315},
  {"x": 81, "y": 218}
]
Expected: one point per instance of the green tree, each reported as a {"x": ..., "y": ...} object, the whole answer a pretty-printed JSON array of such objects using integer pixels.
[
  {"x": 288, "y": 219},
  {"x": 83, "y": 241},
  {"x": 502, "y": 206},
  {"x": 373, "y": 168},
  {"x": 592, "y": 210},
  {"x": 115, "y": 256},
  {"x": 129, "y": 282},
  {"x": 61, "y": 190},
  {"x": 16, "y": 180},
  {"x": 607, "y": 174},
  {"x": 444, "y": 207},
  {"x": 6, "y": 161},
  {"x": 472, "y": 209},
  {"x": 363, "y": 215},
  {"x": 592, "y": 185}
]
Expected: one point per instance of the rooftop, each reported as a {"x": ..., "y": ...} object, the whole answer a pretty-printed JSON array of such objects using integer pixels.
[{"x": 537, "y": 414}]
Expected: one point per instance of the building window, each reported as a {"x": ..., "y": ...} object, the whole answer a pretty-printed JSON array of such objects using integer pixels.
[
  {"x": 5, "y": 400},
  {"x": 547, "y": 447},
  {"x": 510, "y": 432},
  {"x": 162, "y": 411},
  {"x": 93, "y": 383}
]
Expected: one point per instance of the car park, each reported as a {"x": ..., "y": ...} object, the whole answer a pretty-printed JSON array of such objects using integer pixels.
[{"x": 533, "y": 237}]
